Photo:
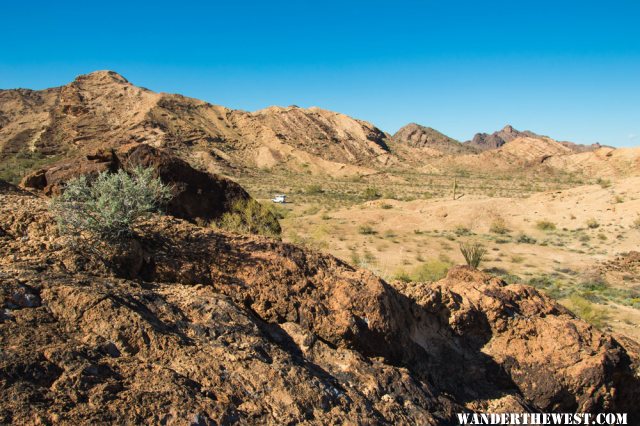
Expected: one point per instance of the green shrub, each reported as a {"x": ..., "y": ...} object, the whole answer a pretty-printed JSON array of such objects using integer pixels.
[
  {"x": 473, "y": 253},
  {"x": 545, "y": 225},
  {"x": 588, "y": 311},
  {"x": 108, "y": 206},
  {"x": 429, "y": 271},
  {"x": 432, "y": 270},
  {"x": 249, "y": 217}
]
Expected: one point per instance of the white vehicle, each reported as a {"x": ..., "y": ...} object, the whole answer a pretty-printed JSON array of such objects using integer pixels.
[{"x": 279, "y": 198}]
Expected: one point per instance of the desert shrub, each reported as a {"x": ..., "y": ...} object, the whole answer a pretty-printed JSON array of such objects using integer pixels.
[
  {"x": 498, "y": 226},
  {"x": 386, "y": 206},
  {"x": 525, "y": 239},
  {"x": 588, "y": 311},
  {"x": 371, "y": 193},
  {"x": 313, "y": 189},
  {"x": 592, "y": 223},
  {"x": 108, "y": 206},
  {"x": 432, "y": 270},
  {"x": 461, "y": 230},
  {"x": 545, "y": 225},
  {"x": 636, "y": 223},
  {"x": 473, "y": 253},
  {"x": 249, "y": 217},
  {"x": 14, "y": 167},
  {"x": 604, "y": 183},
  {"x": 366, "y": 230},
  {"x": 429, "y": 271}
]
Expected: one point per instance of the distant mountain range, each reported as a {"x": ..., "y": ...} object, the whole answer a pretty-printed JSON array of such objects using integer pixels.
[{"x": 103, "y": 109}]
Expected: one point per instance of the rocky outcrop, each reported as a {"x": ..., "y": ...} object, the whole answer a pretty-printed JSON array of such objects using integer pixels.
[
  {"x": 485, "y": 141},
  {"x": 417, "y": 136},
  {"x": 220, "y": 328},
  {"x": 197, "y": 196}
]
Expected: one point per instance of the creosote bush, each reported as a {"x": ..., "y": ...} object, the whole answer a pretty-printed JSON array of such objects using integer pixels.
[
  {"x": 250, "y": 217},
  {"x": 473, "y": 253},
  {"x": 108, "y": 206}
]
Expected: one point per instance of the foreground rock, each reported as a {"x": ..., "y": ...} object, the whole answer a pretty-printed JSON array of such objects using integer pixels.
[
  {"x": 197, "y": 196},
  {"x": 218, "y": 328}
]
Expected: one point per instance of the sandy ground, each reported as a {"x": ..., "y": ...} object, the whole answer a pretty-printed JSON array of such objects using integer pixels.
[{"x": 592, "y": 224}]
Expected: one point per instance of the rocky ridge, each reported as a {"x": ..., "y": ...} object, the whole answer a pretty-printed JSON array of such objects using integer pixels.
[{"x": 212, "y": 328}]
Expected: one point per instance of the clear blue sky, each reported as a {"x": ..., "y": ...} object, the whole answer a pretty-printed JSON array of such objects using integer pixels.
[{"x": 568, "y": 69}]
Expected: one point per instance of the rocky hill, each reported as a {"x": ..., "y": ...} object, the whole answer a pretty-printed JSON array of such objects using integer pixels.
[
  {"x": 198, "y": 326},
  {"x": 103, "y": 109},
  {"x": 417, "y": 136}
]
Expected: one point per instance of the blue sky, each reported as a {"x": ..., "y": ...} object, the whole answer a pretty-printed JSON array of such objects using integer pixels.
[{"x": 568, "y": 69}]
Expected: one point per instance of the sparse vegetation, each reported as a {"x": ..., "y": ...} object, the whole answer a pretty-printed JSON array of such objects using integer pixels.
[
  {"x": 371, "y": 193},
  {"x": 313, "y": 189},
  {"x": 430, "y": 271},
  {"x": 249, "y": 217},
  {"x": 498, "y": 226},
  {"x": 545, "y": 225},
  {"x": 108, "y": 206},
  {"x": 587, "y": 310},
  {"x": 592, "y": 223},
  {"x": 366, "y": 230},
  {"x": 525, "y": 239},
  {"x": 473, "y": 253}
]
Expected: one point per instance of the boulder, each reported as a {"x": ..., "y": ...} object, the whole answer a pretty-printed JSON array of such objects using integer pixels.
[{"x": 197, "y": 195}]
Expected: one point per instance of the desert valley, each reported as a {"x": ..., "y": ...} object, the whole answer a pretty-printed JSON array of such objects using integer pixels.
[{"x": 347, "y": 304}]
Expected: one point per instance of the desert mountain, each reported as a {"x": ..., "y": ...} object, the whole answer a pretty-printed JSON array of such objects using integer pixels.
[
  {"x": 417, "y": 136},
  {"x": 219, "y": 328},
  {"x": 485, "y": 141},
  {"x": 103, "y": 109}
]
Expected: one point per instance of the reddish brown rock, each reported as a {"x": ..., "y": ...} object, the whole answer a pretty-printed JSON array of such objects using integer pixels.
[
  {"x": 197, "y": 196},
  {"x": 224, "y": 328}
]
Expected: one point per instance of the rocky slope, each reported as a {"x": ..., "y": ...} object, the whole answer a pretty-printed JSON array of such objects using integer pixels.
[
  {"x": 485, "y": 141},
  {"x": 103, "y": 109},
  {"x": 198, "y": 326},
  {"x": 417, "y": 136}
]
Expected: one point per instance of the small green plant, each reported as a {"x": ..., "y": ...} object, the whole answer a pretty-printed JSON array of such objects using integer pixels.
[
  {"x": 525, "y": 239},
  {"x": 473, "y": 253},
  {"x": 498, "y": 226},
  {"x": 545, "y": 225},
  {"x": 371, "y": 193},
  {"x": 108, "y": 206},
  {"x": 461, "y": 230},
  {"x": 249, "y": 217},
  {"x": 592, "y": 223},
  {"x": 604, "y": 183},
  {"x": 366, "y": 230}
]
